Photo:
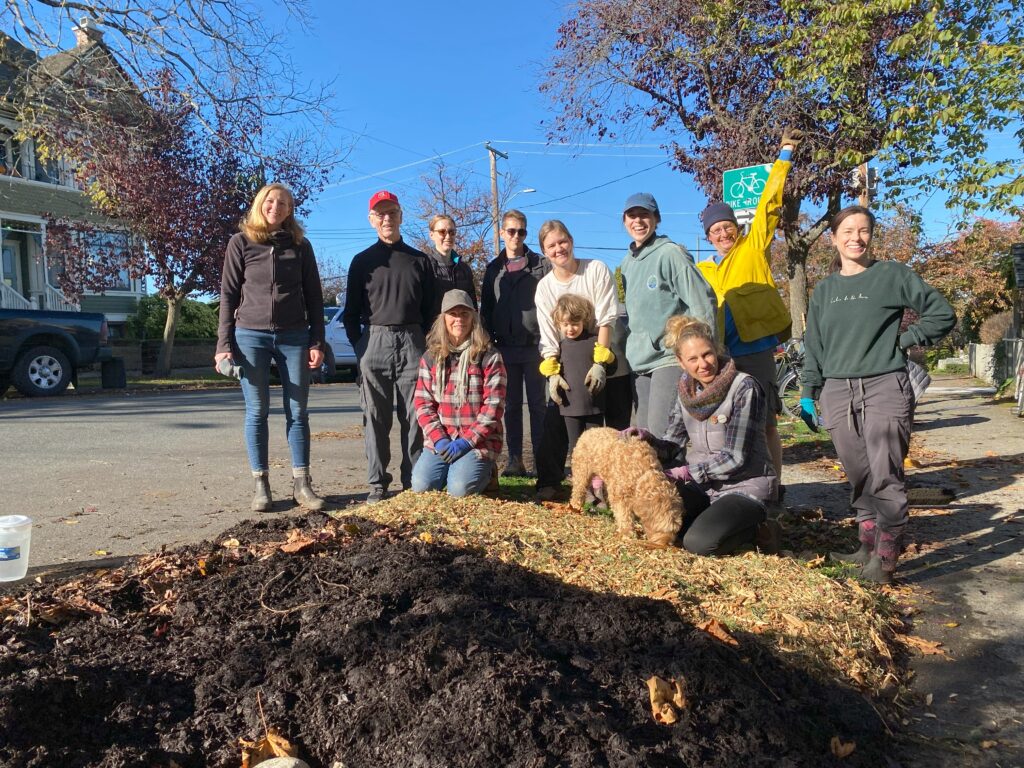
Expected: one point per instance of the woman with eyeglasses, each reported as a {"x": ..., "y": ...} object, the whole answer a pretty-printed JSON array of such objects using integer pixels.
[{"x": 450, "y": 271}]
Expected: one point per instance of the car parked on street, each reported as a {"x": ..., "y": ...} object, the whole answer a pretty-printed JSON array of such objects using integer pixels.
[
  {"x": 41, "y": 351},
  {"x": 338, "y": 354}
]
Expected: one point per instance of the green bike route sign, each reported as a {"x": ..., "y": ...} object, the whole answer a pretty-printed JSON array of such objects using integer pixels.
[{"x": 742, "y": 187}]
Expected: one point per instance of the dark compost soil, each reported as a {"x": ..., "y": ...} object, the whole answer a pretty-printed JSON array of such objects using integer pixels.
[{"x": 378, "y": 649}]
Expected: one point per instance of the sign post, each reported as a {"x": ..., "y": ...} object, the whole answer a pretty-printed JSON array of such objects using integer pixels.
[{"x": 742, "y": 188}]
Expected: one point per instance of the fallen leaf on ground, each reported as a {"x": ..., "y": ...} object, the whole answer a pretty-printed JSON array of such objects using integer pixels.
[
  {"x": 988, "y": 744},
  {"x": 667, "y": 697},
  {"x": 271, "y": 745},
  {"x": 816, "y": 562},
  {"x": 101, "y": 552},
  {"x": 297, "y": 542},
  {"x": 231, "y": 543},
  {"x": 952, "y": 624},
  {"x": 840, "y": 748},
  {"x": 716, "y": 629},
  {"x": 909, "y": 463},
  {"x": 426, "y": 537},
  {"x": 926, "y": 647}
]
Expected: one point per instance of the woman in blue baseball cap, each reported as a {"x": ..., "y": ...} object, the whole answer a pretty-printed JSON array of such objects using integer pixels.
[{"x": 660, "y": 281}]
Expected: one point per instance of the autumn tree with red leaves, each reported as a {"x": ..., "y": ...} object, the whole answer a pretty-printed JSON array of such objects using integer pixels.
[
  {"x": 176, "y": 189},
  {"x": 903, "y": 83}
]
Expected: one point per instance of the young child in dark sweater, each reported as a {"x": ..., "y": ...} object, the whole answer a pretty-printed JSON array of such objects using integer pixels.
[{"x": 580, "y": 407}]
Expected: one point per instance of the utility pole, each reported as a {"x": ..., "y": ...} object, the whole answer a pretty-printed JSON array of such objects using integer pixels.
[{"x": 495, "y": 213}]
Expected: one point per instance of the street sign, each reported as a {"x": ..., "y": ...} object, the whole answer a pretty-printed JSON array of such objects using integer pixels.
[{"x": 742, "y": 187}]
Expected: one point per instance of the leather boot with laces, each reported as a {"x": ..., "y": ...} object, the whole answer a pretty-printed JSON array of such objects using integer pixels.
[
  {"x": 261, "y": 500},
  {"x": 302, "y": 492}
]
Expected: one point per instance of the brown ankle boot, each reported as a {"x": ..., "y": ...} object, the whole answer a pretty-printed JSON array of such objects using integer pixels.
[
  {"x": 302, "y": 492},
  {"x": 261, "y": 501}
]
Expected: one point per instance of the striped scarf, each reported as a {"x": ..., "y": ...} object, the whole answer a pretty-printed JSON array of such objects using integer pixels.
[{"x": 461, "y": 375}]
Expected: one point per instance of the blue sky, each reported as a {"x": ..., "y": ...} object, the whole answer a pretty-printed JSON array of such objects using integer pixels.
[{"x": 416, "y": 80}]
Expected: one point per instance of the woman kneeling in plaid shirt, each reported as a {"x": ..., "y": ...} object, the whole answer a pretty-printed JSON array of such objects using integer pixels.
[{"x": 460, "y": 399}]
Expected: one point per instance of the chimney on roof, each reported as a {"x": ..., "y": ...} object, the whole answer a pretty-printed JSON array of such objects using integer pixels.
[{"x": 86, "y": 31}]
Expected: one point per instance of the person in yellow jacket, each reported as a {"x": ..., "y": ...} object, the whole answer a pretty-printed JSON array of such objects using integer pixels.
[{"x": 751, "y": 313}]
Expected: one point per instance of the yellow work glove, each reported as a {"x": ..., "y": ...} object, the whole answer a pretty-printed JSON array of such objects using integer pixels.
[
  {"x": 603, "y": 355},
  {"x": 550, "y": 366}
]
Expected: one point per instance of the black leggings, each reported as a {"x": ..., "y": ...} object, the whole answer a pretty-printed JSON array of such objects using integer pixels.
[
  {"x": 718, "y": 528},
  {"x": 576, "y": 426}
]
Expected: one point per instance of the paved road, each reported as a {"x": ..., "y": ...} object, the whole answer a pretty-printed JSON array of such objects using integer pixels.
[{"x": 127, "y": 474}]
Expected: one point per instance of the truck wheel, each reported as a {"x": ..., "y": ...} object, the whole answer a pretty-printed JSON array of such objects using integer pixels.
[{"x": 42, "y": 372}]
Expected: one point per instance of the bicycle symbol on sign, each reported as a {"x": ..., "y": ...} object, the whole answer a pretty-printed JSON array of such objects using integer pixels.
[{"x": 749, "y": 184}]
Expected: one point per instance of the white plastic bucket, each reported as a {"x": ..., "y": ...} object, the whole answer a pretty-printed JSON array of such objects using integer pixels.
[{"x": 15, "y": 541}]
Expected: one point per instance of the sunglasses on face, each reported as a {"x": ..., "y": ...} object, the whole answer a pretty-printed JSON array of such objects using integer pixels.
[
  {"x": 514, "y": 232},
  {"x": 445, "y": 232}
]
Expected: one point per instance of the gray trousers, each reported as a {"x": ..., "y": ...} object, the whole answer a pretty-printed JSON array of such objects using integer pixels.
[
  {"x": 389, "y": 363},
  {"x": 656, "y": 393},
  {"x": 869, "y": 422}
]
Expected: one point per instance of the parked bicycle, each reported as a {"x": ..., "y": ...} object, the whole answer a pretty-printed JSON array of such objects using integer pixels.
[{"x": 789, "y": 360}]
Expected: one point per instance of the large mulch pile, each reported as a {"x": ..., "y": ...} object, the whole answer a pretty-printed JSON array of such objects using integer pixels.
[{"x": 443, "y": 633}]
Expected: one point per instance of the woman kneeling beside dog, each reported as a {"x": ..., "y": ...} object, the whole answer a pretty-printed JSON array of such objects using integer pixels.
[{"x": 718, "y": 425}]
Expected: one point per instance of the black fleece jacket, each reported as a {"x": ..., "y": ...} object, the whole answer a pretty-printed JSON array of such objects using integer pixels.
[
  {"x": 507, "y": 307},
  {"x": 267, "y": 287}
]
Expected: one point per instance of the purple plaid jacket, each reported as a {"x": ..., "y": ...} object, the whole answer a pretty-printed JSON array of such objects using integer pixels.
[{"x": 478, "y": 420}]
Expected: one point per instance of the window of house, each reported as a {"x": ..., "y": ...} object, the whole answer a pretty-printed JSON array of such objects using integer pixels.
[{"x": 113, "y": 246}]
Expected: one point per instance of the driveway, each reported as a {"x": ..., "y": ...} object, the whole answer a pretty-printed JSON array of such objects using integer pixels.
[{"x": 108, "y": 476}]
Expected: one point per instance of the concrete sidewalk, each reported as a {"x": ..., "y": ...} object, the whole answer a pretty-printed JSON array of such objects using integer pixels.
[{"x": 961, "y": 577}]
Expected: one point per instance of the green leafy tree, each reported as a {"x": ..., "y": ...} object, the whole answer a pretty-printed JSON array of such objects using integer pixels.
[
  {"x": 723, "y": 77},
  {"x": 196, "y": 320}
]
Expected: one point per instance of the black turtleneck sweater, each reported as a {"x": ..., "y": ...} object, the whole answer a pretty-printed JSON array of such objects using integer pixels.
[{"x": 388, "y": 284}]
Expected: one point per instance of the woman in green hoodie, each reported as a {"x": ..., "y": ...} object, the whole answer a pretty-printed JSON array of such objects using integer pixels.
[
  {"x": 660, "y": 281},
  {"x": 855, "y": 360}
]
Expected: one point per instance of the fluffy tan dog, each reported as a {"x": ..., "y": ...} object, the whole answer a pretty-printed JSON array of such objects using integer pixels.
[{"x": 634, "y": 482}]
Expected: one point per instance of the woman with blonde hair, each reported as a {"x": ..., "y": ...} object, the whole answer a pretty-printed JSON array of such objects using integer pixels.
[
  {"x": 459, "y": 401},
  {"x": 715, "y": 445},
  {"x": 272, "y": 309}
]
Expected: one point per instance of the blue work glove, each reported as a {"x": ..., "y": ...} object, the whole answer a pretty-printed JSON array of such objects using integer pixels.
[
  {"x": 456, "y": 450},
  {"x": 440, "y": 446},
  {"x": 809, "y": 413}
]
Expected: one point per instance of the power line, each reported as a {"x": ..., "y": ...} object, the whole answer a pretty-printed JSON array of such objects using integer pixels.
[
  {"x": 572, "y": 144},
  {"x": 599, "y": 186}
]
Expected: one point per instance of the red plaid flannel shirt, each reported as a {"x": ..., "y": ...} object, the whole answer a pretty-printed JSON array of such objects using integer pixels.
[{"x": 478, "y": 419}]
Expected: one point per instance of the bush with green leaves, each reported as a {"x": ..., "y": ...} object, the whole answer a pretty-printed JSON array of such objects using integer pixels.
[{"x": 197, "y": 320}]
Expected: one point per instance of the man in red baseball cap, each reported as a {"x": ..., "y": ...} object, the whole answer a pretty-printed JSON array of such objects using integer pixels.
[{"x": 388, "y": 308}]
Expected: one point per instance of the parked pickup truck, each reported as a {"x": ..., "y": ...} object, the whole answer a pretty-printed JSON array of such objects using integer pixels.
[{"x": 41, "y": 351}]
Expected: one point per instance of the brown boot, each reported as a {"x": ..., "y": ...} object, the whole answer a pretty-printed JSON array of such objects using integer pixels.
[
  {"x": 261, "y": 500},
  {"x": 769, "y": 537},
  {"x": 303, "y": 494}
]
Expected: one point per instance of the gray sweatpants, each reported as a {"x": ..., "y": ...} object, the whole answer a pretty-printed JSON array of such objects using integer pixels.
[
  {"x": 656, "y": 393},
  {"x": 389, "y": 363},
  {"x": 869, "y": 421}
]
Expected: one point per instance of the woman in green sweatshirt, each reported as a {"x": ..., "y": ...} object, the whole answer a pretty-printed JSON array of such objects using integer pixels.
[{"x": 856, "y": 361}]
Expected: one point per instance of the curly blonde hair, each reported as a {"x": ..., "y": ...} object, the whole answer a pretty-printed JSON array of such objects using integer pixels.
[
  {"x": 573, "y": 308},
  {"x": 681, "y": 328},
  {"x": 254, "y": 225}
]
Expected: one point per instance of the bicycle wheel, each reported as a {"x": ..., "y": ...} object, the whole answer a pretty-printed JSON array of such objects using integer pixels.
[
  {"x": 757, "y": 187},
  {"x": 738, "y": 189},
  {"x": 789, "y": 393}
]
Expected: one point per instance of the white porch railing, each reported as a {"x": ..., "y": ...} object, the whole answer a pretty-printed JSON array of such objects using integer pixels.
[
  {"x": 11, "y": 299},
  {"x": 56, "y": 300}
]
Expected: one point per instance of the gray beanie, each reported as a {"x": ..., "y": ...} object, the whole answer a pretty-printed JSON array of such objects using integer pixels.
[{"x": 716, "y": 212}]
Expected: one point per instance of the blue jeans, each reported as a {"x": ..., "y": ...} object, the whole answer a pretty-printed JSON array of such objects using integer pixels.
[
  {"x": 291, "y": 351},
  {"x": 467, "y": 475}
]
